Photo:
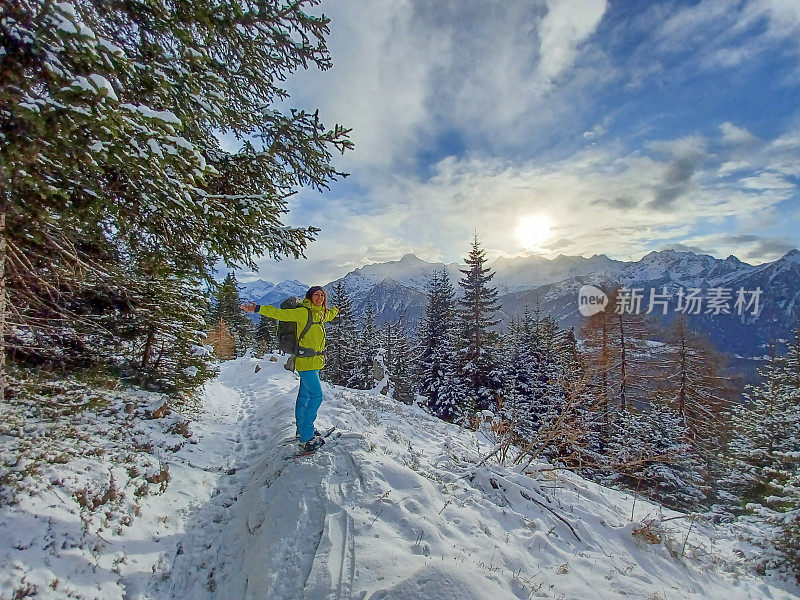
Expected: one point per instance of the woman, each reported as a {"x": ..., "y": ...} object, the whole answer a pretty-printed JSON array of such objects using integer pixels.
[{"x": 310, "y": 359}]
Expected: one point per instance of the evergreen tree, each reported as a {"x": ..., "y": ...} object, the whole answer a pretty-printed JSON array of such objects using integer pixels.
[
  {"x": 364, "y": 376},
  {"x": 436, "y": 366},
  {"x": 477, "y": 309},
  {"x": 227, "y": 307},
  {"x": 649, "y": 453},
  {"x": 764, "y": 452},
  {"x": 341, "y": 354},
  {"x": 542, "y": 335},
  {"x": 400, "y": 372},
  {"x": 265, "y": 336},
  {"x": 518, "y": 374},
  {"x": 548, "y": 407},
  {"x": 584, "y": 449},
  {"x": 764, "y": 455},
  {"x": 109, "y": 163}
]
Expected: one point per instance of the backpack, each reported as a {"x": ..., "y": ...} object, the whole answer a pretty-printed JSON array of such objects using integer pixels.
[{"x": 287, "y": 330}]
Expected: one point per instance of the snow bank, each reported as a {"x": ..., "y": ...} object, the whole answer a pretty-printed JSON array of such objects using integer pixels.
[{"x": 394, "y": 508}]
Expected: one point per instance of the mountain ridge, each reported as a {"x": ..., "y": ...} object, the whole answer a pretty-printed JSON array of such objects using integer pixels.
[{"x": 397, "y": 290}]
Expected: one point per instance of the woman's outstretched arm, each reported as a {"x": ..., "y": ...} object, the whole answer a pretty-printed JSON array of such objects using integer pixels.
[{"x": 295, "y": 315}]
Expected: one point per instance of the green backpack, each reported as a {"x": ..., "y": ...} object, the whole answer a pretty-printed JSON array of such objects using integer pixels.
[{"x": 288, "y": 340}]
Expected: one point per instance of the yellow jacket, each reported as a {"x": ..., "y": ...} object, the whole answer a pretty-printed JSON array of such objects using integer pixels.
[{"x": 314, "y": 339}]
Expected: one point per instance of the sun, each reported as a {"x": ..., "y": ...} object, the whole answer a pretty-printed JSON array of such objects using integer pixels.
[{"x": 533, "y": 230}]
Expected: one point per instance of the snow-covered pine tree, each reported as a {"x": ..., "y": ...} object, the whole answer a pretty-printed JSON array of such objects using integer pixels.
[
  {"x": 542, "y": 336},
  {"x": 364, "y": 376},
  {"x": 551, "y": 409},
  {"x": 648, "y": 453},
  {"x": 167, "y": 340},
  {"x": 400, "y": 371},
  {"x": 389, "y": 334},
  {"x": 517, "y": 376},
  {"x": 586, "y": 421},
  {"x": 109, "y": 156},
  {"x": 341, "y": 349},
  {"x": 264, "y": 337},
  {"x": 763, "y": 477},
  {"x": 227, "y": 306},
  {"x": 477, "y": 310},
  {"x": 437, "y": 377}
]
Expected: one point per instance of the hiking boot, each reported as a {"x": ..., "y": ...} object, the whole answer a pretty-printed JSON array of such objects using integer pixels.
[
  {"x": 317, "y": 432},
  {"x": 313, "y": 444}
]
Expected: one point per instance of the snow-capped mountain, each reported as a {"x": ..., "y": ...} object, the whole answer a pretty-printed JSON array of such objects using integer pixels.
[
  {"x": 526, "y": 273},
  {"x": 398, "y": 287},
  {"x": 265, "y": 292},
  {"x": 410, "y": 272},
  {"x": 745, "y": 334},
  {"x": 671, "y": 267},
  {"x": 397, "y": 290}
]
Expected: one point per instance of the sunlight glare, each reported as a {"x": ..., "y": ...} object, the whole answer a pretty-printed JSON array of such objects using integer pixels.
[{"x": 533, "y": 230}]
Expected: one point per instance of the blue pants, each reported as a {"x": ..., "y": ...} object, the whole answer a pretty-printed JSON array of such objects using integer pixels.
[{"x": 308, "y": 400}]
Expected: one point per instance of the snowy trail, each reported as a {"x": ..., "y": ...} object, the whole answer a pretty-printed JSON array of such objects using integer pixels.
[{"x": 385, "y": 512}]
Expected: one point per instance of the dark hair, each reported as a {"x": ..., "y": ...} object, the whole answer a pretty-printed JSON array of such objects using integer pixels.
[
  {"x": 319, "y": 288},
  {"x": 315, "y": 288}
]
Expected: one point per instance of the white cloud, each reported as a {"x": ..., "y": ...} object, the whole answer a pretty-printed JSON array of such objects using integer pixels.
[
  {"x": 730, "y": 167},
  {"x": 783, "y": 16},
  {"x": 731, "y": 134},
  {"x": 567, "y": 24},
  {"x": 408, "y": 73},
  {"x": 767, "y": 181},
  {"x": 381, "y": 80},
  {"x": 505, "y": 79},
  {"x": 599, "y": 201}
]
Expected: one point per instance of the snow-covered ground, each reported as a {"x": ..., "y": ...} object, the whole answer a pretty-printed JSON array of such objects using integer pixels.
[{"x": 394, "y": 508}]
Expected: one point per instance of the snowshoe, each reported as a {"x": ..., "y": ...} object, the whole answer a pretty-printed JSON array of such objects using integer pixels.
[{"x": 310, "y": 447}]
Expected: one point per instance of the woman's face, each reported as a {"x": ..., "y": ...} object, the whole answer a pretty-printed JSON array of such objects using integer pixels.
[{"x": 318, "y": 298}]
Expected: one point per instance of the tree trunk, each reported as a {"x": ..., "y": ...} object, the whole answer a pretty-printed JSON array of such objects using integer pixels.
[{"x": 148, "y": 351}]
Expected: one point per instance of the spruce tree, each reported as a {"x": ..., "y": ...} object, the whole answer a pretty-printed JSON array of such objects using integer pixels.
[
  {"x": 400, "y": 372},
  {"x": 585, "y": 448},
  {"x": 649, "y": 453},
  {"x": 548, "y": 406},
  {"x": 264, "y": 337},
  {"x": 342, "y": 340},
  {"x": 518, "y": 392},
  {"x": 477, "y": 310},
  {"x": 436, "y": 366},
  {"x": 110, "y": 163},
  {"x": 364, "y": 376},
  {"x": 763, "y": 480}
]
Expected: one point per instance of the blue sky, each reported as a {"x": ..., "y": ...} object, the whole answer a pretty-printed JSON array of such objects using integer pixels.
[{"x": 625, "y": 126}]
